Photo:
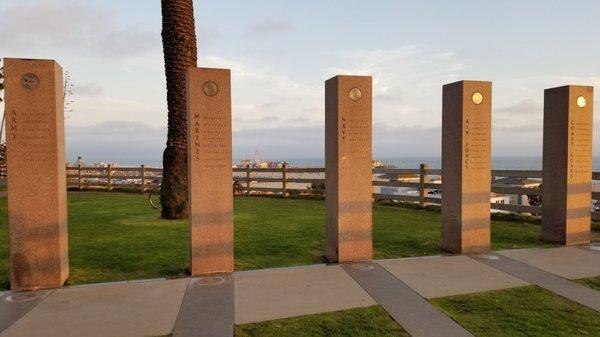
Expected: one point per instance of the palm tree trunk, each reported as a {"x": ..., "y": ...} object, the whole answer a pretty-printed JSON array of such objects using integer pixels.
[{"x": 179, "y": 46}]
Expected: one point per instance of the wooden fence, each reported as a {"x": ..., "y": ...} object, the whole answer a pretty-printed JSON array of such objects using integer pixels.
[
  {"x": 112, "y": 178},
  {"x": 2, "y": 171},
  {"x": 247, "y": 181}
]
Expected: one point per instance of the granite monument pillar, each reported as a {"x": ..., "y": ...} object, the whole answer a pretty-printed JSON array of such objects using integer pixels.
[
  {"x": 210, "y": 171},
  {"x": 466, "y": 166},
  {"x": 348, "y": 110},
  {"x": 37, "y": 197},
  {"x": 567, "y": 164}
]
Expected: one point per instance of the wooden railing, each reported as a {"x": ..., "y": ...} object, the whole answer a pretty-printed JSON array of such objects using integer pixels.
[
  {"x": 2, "y": 171},
  {"x": 113, "y": 178},
  {"x": 289, "y": 181},
  {"x": 248, "y": 180}
]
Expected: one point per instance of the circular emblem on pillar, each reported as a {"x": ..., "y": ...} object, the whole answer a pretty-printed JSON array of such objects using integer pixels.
[
  {"x": 210, "y": 88},
  {"x": 30, "y": 81},
  {"x": 477, "y": 98},
  {"x": 581, "y": 101},
  {"x": 355, "y": 94}
]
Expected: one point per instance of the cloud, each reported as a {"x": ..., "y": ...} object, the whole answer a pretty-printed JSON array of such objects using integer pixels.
[
  {"x": 88, "y": 89},
  {"x": 262, "y": 120},
  {"x": 406, "y": 140},
  {"x": 407, "y": 80},
  {"x": 269, "y": 27},
  {"x": 520, "y": 109},
  {"x": 116, "y": 141},
  {"x": 262, "y": 95},
  {"x": 309, "y": 141},
  {"x": 83, "y": 29},
  {"x": 208, "y": 34}
]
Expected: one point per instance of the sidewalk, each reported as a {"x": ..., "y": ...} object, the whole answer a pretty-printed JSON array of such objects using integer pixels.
[{"x": 213, "y": 305}]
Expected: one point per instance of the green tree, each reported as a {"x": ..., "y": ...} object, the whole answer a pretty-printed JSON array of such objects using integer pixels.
[
  {"x": 535, "y": 200},
  {"x": 180, "y": 53}
]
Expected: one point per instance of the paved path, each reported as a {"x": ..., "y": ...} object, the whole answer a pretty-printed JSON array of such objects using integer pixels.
[
  {"x": 417, "y": 316},
  {"x": 209, "y": 307},
  {"x": 207, "y": 299},
  {"x": 549, "y": 281},
  {"x": 449, "y": 275}
]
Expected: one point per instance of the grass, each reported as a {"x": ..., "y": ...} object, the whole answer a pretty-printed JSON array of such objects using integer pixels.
[
  {"x": 372, "y": 322},
  {"x": 116, "y": 236},
  {"x": 592, "y": 282},
  {"x": 520, "y": 312}
]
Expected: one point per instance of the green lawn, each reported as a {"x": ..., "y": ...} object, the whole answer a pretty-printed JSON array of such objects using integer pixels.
[
  {"x": 368, "y": 322},
  {"x": 520, "y": 312},
  {"x": 592, "y": 282},
  {"x": 117, "y": 236}
]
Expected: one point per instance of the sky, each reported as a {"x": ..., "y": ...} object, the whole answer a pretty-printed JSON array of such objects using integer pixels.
[{"x": 280, "y": 52}]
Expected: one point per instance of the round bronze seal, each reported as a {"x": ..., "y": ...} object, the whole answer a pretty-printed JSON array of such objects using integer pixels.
[
  {"x": 477, "y": 98},
  {"x": 30, "y": 81},
  {"x": 210, "y": 88},
  {"x": 355, "y": 94},
  {"x": 581, "y": 102}
]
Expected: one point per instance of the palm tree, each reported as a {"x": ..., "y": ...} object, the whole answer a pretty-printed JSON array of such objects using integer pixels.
[{"x": 179, "y": 46}]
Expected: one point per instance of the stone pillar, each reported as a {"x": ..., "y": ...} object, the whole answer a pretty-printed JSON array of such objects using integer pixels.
[
  {"x": 567, "y": 164},
  {"x": 348, "y": 161},
  {"x": 210, "y": 171},
  {"x": 37, "y": 187},
  {"x": 466, "y": 166}
]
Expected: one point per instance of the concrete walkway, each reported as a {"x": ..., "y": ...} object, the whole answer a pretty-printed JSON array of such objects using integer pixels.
[{"x": 211, "y": 306}]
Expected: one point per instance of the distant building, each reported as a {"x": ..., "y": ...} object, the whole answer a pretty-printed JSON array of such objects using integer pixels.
[
  {"x": 516, "y": 182},
  {"x": 261, "y": 164},
  {"x": 377, "y": 163}
]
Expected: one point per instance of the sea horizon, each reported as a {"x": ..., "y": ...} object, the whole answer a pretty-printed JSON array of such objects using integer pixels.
[{"x": 498, "y": 162}]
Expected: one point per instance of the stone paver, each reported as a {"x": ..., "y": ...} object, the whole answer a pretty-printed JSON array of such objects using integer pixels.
[
  {"x": 556, "y": 284},
  {"x": 441, "y": 276},
  {"x": 594, "y": 248},
  {"x": 417, "y": 316},
  {"x": 13, "y": 306},
  {"x": 124, "y": 309},
  {"x": 159, "y": 307},
  {"x": 287, "y": 292},
  {"x": 207, "y": 308},
  {"x": 568, "y": 262}
]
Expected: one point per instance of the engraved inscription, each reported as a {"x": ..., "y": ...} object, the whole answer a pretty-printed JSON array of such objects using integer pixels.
[
  {"x": 30, "y": 81},
  {"x": 30, "y": 132},
  {"x": 476, "y": 139},
  {"x": 580, "y": 146},
  {"x": 210, "y": 140},
  {"x": 355, "y": 135}
]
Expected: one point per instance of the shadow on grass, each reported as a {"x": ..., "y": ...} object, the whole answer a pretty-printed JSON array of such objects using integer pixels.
[{"x": 117, "y": 236}]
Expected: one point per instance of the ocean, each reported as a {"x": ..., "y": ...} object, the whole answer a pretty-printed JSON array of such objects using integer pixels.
[{"x": 498, "y": 163}]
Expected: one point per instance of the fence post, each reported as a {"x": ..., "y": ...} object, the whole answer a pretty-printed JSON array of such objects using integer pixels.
[
  {"x": 423, "y": 178},
  {"x": 109, "y": 177},
  {"x": 79, "y": 180},
  {"x": 284, "y": 180},
  {"x": 143, "y": 187},
  {"x": 248, "y": 180}
]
